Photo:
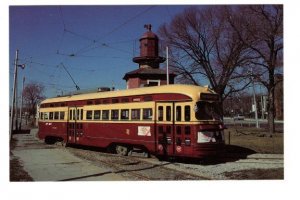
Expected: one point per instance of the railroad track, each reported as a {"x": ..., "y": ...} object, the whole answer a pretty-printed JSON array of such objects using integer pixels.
[{"x": 135, "y": 168}]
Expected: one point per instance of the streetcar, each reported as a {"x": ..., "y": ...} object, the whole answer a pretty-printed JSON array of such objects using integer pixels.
[{"x": 170, "y": 121}]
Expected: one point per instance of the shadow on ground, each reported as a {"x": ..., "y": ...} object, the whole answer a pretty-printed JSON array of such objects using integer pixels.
[
  {"x": 230, "y": 153},
  {"x": 25, "y": 131}
]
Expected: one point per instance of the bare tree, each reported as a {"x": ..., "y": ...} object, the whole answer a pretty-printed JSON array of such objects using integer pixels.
[
  {"x": 33, "y": 94},
  {"x": 260, "y": 27},
  {"x": 205, "y": 46}
]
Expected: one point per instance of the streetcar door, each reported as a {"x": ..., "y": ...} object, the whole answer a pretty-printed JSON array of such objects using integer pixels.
[
  {"x": 165, "y": 128},
  {"x": 75, "y": 117},
  {"x": 182, "y": 129}
]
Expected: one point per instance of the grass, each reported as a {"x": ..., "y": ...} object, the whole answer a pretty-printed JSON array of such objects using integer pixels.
[
  {"x": 17, "y": 173},
  {"x": 256, "y": 174},
  {"x": 255, "y": 139},
  {"x": 16, "y": 170}
]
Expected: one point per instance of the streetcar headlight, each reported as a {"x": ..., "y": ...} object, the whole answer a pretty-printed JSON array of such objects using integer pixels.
[
  {"x": 187, "y": 141},
  {"x": 205, "y": 137}
]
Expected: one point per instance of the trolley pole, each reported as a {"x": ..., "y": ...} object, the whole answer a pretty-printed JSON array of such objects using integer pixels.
[
  {"x": 20, "y": 125},
  {"x": 12, "y": 110}
]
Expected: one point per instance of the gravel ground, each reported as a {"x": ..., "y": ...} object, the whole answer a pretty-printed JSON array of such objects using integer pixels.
[
  {"x": 134, "y": 167},
  {"x": 216, "y": 170},
  {"x": 219, "y": 170}
]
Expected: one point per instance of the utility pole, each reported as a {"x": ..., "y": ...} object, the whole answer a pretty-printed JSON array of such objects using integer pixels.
[
  {"x": 254, "y": 99},
  {"x": 167, "y": 57},
  {"x": 20, "y": 125},
  {"x": 12, "y": 110},
  {"x": 262, "y": 106}
]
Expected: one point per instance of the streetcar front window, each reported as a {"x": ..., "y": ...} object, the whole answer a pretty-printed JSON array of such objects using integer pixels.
[{"x": 207, "y": 110}]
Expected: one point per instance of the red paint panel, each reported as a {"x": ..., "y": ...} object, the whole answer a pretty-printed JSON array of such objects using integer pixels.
[
  {"x": 56, "y": 129},
  {"x": 103, "y": 134}
]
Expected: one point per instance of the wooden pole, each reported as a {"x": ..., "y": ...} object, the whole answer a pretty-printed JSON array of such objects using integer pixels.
[
  {"x": 21, "y": 108},
  {"x": 167, "y": 52},
  {"x": 13, "y": 101}
]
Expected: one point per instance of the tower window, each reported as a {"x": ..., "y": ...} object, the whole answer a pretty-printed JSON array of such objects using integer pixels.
[{"x": 153, "y": 82}]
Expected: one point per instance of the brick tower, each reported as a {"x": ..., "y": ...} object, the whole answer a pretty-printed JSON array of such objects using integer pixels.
[{"x": 148, "y": 73}]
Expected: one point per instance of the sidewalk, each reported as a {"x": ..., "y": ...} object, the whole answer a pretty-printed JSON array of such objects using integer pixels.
[{"x": 52, "y": 163}]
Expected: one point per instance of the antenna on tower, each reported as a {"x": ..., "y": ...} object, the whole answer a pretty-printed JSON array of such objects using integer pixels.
[
  {"x": 113, "y": 86},
  {"x": 148, "y": 27}
]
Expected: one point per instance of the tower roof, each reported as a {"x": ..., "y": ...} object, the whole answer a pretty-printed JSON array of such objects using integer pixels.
[
  {"x": 149, "y": 35},
  {"x": 147, "y": 72}
]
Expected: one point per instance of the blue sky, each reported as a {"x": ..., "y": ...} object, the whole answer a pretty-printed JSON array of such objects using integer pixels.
[{"x": 95, "y": 43}]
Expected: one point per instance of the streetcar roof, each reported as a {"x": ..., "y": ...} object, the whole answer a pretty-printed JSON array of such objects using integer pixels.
[{"x": 189, "y": 90}]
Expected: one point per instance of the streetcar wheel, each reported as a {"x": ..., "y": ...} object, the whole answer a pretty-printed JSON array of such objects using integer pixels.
[
  {"x": 64, "y": 143},
  {"x": 122, "y": 150},
  {"x": 146, "y": 154},
  {"x": 50, "y": 140}
]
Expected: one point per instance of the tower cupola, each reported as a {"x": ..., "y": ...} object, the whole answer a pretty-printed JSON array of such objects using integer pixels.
[
  {"x": 148, "y": 73},
  {"x": 149, "y": 50}
]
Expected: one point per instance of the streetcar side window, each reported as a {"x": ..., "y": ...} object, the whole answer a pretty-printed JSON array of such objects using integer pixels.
[
  {"x": 187, "y": 113},
  {"x": 46, "y": 115},
  {"x": 115, "y": 101},
  {"x": 70, "y": 114},
  {"x": 97, "y": 102},
  {"x": 56, "y": 115},
  {"x": 135, "y": 114},
  {"x": 62, "y": 115},
  {"x": 97, "y": 114},
  {"x": 125, "y": 100},
  {"x": 160, "y": 113},
  {"x": 89, "y": 102},
  {"x": 105, "y": 115},
  {"x": 147, "y": 114},
  {"x": 42, "y": 116},
  {"x": 89, "y": 114},
  {"x": 168, "y": 113},
  {"x": 125, "y": 114},
  {"x": 51, "y": 116},
  {"x": 114, "y": 114},
  {"x": 178, "y": 113},
  {"x": 78, "y": 114},
  {"x": 81, "y": 114}
]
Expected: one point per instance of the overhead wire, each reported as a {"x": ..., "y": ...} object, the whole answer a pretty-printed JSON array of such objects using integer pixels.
[
  {"x": 78, "y": 35},
  {"x": 62, "y": 17},
  {"x": 92, "y": 46},
  {"x": 89, "y": 56},
  {"x": 55, "y": 66},
  {"x": 95, "y": 43},
  {"x": 114, "y": 29}
]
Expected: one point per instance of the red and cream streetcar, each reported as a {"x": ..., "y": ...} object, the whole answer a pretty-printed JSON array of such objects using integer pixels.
[{"x": 170, "y": 120}]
